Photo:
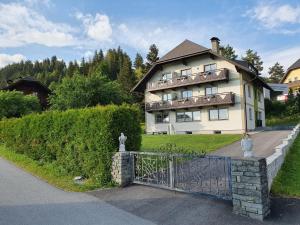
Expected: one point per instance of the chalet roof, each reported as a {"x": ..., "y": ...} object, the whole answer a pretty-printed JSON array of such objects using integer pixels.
[
  {"x": 295, "y": 65},
  {"x": 185, "y": 48},
  {"x": 242, "y": 63},
  {"x": 188, "y": 49},
  {"x": 27, "y": 79}
]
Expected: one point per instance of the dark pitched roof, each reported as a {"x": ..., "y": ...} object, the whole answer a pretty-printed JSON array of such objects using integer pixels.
[
  {"x": 295, "y": 65},
  {"x": 190, "y": 49},
  {"x": 26, "y": 80},
  {"x": 185, "y": 48},
  {"x": 242, "y": 63}
]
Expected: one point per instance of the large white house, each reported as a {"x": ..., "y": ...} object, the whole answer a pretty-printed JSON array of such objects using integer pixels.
[{"x": 193, "y": 89}]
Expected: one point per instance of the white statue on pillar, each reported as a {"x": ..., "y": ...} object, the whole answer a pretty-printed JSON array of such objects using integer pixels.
[
  {"x": 122, "y": 140},
  {"x": 247, "y": 146}
]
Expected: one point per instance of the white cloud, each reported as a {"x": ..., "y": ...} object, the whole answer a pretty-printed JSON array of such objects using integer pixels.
[
  {"x": 46, "y": 3},
  {"x": 97, "y": 27},
  {"x": 21, "y": 25},
  {"x": 6, "y": 59},
  {"x": 273, "y": 16},
  {"x": 285, "y": 57},
  {"x": 141, "y": 35}
]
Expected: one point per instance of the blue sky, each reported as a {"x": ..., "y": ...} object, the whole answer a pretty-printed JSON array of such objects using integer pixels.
[{"x": 32, "y": 29}]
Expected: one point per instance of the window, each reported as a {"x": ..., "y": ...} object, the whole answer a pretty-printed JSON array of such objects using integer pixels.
[
  {"x": 186, "y": 94},
  {"x": 167, "y": 76},
  {"x": 223, "y": 114},
  {"x": 186, "y": 73},
  {"x": 250, "y": 114},
  {"x": 188, "y": 116},
  {"x": 259, "y": 116},
  {"x": 249, "y": 91},
  {"x": 162, "y": 117},
  {"x": 210, "y": 67},
  {"x": 167, "y": 97},
  {"x": 259, "y": 96},
  {"x": 211, "y": 90},
  {"x": 196, "y": 116},
  {"x": 296, "y": 78},
  {"x": 218, "y": 114}
]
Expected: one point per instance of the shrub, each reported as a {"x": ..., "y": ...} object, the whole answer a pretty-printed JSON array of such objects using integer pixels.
[
  {"x": 82, "y": 141},
  {"x": 79, "y": 92},
  {"x": 16, "y": 104}
]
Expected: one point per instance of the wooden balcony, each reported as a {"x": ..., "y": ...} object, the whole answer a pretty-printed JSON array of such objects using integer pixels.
[
  {"x": 193, "y": 102},
  {"x": 194, "y": 79}
]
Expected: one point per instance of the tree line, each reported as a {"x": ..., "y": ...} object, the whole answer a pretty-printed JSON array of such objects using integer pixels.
[
  {"x": 105, "y": 78},
  {"x": 100, "y": 79}
]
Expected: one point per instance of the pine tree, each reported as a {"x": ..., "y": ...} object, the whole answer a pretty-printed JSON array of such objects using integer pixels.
[
  {"x": 228, "y": 52},
  {"x": 139, "y": 61},
  {"x": 253, "y": 58},
  {"x": 152, "y": 56},
  {"x": 139, "y": 66},
  {"x": 276, "y": 73},
  {"x": 126, "y": 77}
]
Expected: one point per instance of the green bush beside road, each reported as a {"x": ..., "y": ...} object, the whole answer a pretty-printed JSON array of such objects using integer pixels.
[
  {"x": 80, "y": 141},
  {"x": 16, "y": 104}
]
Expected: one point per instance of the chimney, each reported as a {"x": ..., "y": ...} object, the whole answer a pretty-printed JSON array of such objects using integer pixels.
[{"x": 215, "y": 44}]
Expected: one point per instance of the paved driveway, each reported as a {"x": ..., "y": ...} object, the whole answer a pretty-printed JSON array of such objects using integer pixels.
[
  {"x": 264, "y": 144},
  {"x": 172, "y": 208}
]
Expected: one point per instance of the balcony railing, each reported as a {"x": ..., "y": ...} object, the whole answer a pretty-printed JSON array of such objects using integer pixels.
[
  {"x": 198, "y": 78},
  {"x": 197, "y": 101}
]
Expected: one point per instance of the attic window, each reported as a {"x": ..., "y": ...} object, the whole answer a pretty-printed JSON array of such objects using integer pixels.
[
  {"x": 167, "y": 76},
  {"x": 186, "y": 73},
  {"x": 210, "y": 67}
]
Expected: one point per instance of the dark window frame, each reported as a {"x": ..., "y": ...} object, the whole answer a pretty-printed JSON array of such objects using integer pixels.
[
  {"x": 186, "y": 91},
  {"x": 218, "y": 109},
  {"x": 210, "y": 64},
  {"x": 186, "y": 70},
  {"x": 250, "y": 113},
  {"x": 184, "y": 112},
  {"x": 211, "y": 87},
  {"x": 167, "y": 73},
  {"x": 162, "y": 114}
]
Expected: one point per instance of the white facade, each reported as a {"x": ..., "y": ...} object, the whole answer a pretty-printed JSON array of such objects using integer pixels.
[{"x": 232, "y": 117}]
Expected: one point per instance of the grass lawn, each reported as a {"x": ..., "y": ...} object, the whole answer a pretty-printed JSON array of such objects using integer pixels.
[
  {"x": 189, "y": 143},
  {"x": 287, "y": 182},
  {"x": 50, "y": 173}
]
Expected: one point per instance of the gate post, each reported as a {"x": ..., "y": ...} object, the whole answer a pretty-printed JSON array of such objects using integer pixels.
[
  {"x": 122, "y": 168},
  {"x": 250, "y": 193},
  {"x": 172, "y": 174}
]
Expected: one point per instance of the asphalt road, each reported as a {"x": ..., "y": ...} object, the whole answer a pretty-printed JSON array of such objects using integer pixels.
[
  {"x": 264, "y": 144},
  {"x": 26, "y": 200},
  {"x": 165, "y": 207}
]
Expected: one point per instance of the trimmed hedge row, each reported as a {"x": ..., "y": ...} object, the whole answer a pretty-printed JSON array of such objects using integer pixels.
[
  {"x": 16, "y": 104},
  {"x": 82, "y": 141}
]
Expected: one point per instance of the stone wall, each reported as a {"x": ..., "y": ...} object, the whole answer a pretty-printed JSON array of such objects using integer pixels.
[
  {"x": 250, "y": 195},
  {"x": 122, "y": 168},
  {"x": 275, "y": 161}
]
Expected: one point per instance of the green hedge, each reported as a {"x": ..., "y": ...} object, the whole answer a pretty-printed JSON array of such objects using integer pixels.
[
  {"x": 82, "y": 141},
  {"x": 16, "y": 104}
]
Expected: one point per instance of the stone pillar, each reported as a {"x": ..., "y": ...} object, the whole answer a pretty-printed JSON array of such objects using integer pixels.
[
  {"x": 122, "y": 168},
  {"x": 250, "y": 193}
]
